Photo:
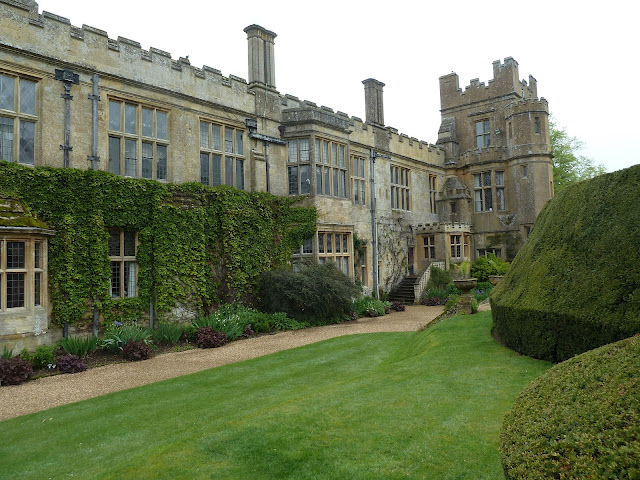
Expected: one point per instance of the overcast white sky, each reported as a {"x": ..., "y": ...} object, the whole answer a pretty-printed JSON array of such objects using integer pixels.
[{"x": 584, "y": 55}]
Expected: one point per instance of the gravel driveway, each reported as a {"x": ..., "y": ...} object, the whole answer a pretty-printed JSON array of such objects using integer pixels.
[{"x": 53, "y": 391}]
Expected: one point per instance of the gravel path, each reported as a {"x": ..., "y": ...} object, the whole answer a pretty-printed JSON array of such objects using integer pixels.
[{"x": 58, "y": 390}]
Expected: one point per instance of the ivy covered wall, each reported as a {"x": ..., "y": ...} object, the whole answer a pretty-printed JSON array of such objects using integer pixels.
[{"x": 198, "y": 246}]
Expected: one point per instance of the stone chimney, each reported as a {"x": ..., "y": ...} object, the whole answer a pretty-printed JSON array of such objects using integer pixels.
[
  {"x": 262, "y": 67},
  {"x": 373, "y": 104}
]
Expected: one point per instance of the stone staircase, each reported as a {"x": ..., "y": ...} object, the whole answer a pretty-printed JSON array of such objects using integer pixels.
[{"x": 404, "y": 292}]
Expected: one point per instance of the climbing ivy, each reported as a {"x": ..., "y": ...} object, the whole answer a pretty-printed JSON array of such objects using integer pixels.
[{"x": 197, "y": 245}]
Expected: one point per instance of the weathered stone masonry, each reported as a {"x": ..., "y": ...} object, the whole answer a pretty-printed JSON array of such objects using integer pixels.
[{"x": 478, "y": 189}]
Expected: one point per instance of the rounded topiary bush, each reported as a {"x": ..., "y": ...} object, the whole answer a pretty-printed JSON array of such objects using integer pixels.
[
  {"x": 581, "y": 419},
  {"x": 575, "y": 284}
]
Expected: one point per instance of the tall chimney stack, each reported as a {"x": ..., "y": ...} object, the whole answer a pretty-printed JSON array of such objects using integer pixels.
[
  {"x": 262, "y": 67},
  {"x": 373, "y": 104}
]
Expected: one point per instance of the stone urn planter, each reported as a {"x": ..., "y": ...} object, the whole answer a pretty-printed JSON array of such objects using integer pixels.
[
  {"x": 495, "y": 279},
  {"x": 465, "y": 285}
]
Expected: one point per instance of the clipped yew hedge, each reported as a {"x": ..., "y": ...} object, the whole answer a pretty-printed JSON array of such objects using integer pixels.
[
  {"x": 575, "y": 284},
  {"x": 581, "y": 419}
]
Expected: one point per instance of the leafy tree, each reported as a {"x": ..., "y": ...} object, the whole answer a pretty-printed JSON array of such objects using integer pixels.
[{"x": 568, "y": 166}]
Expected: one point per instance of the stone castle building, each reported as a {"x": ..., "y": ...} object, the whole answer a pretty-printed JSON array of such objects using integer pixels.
[{"x": 74, "y": 97}]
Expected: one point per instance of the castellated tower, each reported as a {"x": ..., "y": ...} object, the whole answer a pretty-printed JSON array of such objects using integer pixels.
[{"x": 496, "y": 141}]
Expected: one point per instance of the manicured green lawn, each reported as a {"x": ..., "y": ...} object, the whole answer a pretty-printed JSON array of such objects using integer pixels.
[{"x": 425, "y": 405}]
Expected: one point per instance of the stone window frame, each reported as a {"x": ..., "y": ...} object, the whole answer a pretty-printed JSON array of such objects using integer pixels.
[
  {"x": 485, "y": 190},
  {"x": 332, "y": 244},
  {"x": 222, "y": 157},
  {"x": 483, "y": 252},
  {"x": 132, "y": 131},
  {"x": 330, "y": 158},
  {"x": 400, "y": 188},
  {"x": 17, "y": 117},
  {"x": 359, "y": 179},
  {"x": 299, "y": 166},
  {"x": 483, "y": 133},
  {"x": 121, "y": 262},
  {"x": 429, "y": 246},
  {"x": 433, "y": 191},
  {"x": 34, "y": 271},
  {"x": 459, "y": 244}
]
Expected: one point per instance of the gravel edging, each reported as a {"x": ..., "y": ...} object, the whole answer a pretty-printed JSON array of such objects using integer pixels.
[{"x": 53, "y": 391}]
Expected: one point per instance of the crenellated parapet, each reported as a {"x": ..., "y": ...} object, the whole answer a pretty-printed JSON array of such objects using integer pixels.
[
  {"x": 89, "y": 49},
  {"x": 505, "y": 81},
  {"x": 526, "y": 105}
]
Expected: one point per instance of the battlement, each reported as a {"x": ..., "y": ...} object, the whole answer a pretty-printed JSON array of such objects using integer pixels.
[
  {"x": 527, "y": 105},
  {"x": 505, "y": 82},
  {"x": 92, "y": 50}
]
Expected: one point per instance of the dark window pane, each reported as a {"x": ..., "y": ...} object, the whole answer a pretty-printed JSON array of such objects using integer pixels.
[
  {"x": 28, "y": 97},
  {"x": 114, "y": 243},
  {"x": 130, "y": 118},
  {"x": 36, "y": 288},
  {"x": 115, "y": 279},
  {"x": 6, "y": 139},
  {"x": 7, "y": 85},
  {"x": 147, "y": 160},
  {"x": 239, "y": 174},
  {"x": 129, "y": 244},
  {"x": 228, "y": 171},
  {"x": 27, "y": 140},
  {"x": 216, "y": 174},
  {"x": 37, "y": 255},
  {"x": 130, "y": 158},
  {"x": 293, "y": 180},
  {"x": 161, "y": 125},
  {"x": 15, "y": 290},
  {"x": 114, "y": 116},
  {"x": 15, "y": 255},
  {"x": 161, "y": 162},
  {"x": 147, "y": 122},
  {"x": 305, "y": 181},
  {"x": 114, "y": 155},
  {"x": 204, "y": 169}
]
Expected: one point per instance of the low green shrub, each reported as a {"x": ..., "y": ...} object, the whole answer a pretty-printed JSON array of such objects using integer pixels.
[
  {"x": 118, "y": 335},
  {"x": 316, "y": 294},
  {"x": 482, "y": 291},
  {"x": 6, "y": 352},
  {"x": 578, "y": 420},
  {"x": 441, "y": 293},
  {"x": 136, "y": 350},
  {"x": 44, "y": 357},
  {"x": 167, "y": 333},
  {"x": 79, "y": 346},
  {"x": 14, "y": 371},
  {"x": 230, "y": 319},
  {"x": 275, "y": 322},
  {"x": 452, "y": 302},
  {"x": 369, "y": 307},
  {"x": 438, "y": 278},
  {"x": 487, "y": 266},
  {"x": 207, "y": 337},
  {"x": 70, "y": 364}
]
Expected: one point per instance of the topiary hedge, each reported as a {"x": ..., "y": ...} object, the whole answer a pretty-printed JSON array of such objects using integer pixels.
[
  {"x": 581, "y": 419},
  {"x": 575, "y": 284}
]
